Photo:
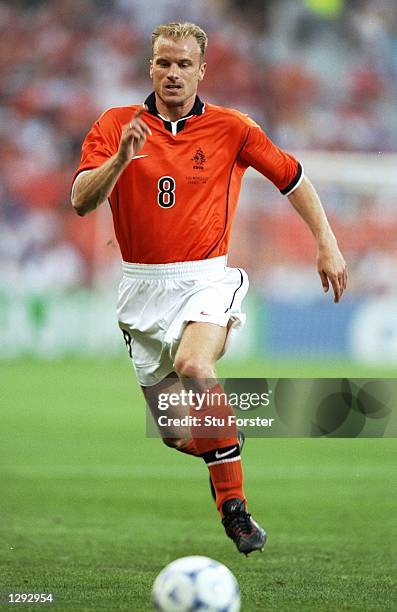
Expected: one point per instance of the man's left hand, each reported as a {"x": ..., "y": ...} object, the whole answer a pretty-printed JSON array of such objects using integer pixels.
[{"x": 332, "y": 269}]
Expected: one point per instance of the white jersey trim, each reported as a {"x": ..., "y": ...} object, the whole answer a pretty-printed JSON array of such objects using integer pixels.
[
  {"x": 80, "y": 174},
  {"x": 297, "y": 184}
]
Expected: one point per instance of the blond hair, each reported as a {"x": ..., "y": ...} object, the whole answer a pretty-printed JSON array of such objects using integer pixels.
[{"x": 181, "y": 30}]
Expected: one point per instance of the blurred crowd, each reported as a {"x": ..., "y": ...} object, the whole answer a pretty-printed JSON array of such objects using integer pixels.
[{"x": 316, "y": 74}]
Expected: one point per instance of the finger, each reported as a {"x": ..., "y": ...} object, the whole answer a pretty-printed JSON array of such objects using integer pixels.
[
  {"x": 336, "y": 288},
  {"x": 134, "y": 140},
  {"x": 137, "y": 115},
  {"x": 139, "y": 142},
  {"x": 341, "y": 283},
  {"x": 324, "y": 280},
  {"x": 139, "y": 112},
  {"x": 342, "y": 280},
  {"x": 138, "y": 129},
  {"x": 136, "y": 132},
  {"x": 345, "y": 278},
  {"x": 144, "y": 126}
]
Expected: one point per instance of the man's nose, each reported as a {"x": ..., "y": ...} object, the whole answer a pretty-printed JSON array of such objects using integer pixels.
[{"x": 173, "y": 72}]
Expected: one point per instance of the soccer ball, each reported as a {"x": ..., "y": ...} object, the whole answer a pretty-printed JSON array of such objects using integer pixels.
[{"x": 196, "y": 583}]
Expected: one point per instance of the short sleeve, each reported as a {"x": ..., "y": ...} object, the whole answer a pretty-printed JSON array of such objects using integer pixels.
[
  {"x": 99, "y": 144},
  {"x": 281, "y": 168}
]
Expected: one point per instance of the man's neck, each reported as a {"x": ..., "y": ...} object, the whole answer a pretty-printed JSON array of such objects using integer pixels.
[{"x": 173, "y": 113}]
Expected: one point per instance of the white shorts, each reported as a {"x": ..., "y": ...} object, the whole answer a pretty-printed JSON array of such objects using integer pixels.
[{"x": 157, "y": 301}]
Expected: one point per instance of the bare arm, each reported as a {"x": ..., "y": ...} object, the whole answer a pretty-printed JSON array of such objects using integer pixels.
[
  {"x": 330, "y": 263},
  {"x": 95, "y": 187}
]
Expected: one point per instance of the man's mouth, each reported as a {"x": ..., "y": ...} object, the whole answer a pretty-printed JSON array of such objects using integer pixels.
[{"x": 172, "y": 87}]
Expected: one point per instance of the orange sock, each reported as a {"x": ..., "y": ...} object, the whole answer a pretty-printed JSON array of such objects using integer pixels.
[
  {"x": 215, "y": 437},
  {"x": 226, "y": 475}
]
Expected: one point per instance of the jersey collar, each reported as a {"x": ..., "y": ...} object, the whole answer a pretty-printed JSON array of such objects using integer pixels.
[{"x": 174, "y": 126}]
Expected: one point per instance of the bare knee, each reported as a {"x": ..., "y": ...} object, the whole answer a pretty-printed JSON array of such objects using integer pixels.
[
  {"x": 194, "y": 368},
  {"x": 177, "y": 443}
]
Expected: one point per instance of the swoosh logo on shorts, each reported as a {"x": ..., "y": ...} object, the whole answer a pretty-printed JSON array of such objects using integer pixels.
[
  {"x": 138, "y": 156},
  {"x": 219, "y": 455}
]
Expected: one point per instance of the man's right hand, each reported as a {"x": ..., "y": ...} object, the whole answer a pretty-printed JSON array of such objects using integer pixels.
[{"x": 133, "y": 137}]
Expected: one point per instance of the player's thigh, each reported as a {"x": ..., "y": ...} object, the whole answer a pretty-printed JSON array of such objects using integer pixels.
[
  {"x": 164, "y": 411},
  {"x": 201, "y": 345}
]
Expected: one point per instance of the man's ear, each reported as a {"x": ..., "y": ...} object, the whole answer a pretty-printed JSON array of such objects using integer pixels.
[
  {"x": 202, "y": 69},
  {"x": 151, "y": 68}
]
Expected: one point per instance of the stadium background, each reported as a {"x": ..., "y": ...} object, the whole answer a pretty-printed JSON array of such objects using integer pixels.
[{"x": 320, "y": 77}]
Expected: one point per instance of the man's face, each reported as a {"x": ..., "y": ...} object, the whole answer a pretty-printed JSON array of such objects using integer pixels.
[{"x": 176, "y": 70}]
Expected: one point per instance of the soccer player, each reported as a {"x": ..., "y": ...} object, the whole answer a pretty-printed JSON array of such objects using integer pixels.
[{"x": 171, "y": 170}]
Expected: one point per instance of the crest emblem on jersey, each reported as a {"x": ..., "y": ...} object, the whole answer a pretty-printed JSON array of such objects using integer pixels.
[{"x": 199, "y": 159}]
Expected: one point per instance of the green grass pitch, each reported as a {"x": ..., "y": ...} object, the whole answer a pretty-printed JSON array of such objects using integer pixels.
[{"x": 91, "y": 510}]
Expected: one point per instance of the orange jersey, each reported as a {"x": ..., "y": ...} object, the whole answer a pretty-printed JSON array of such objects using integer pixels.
[{"x": 176, "y": 199}]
